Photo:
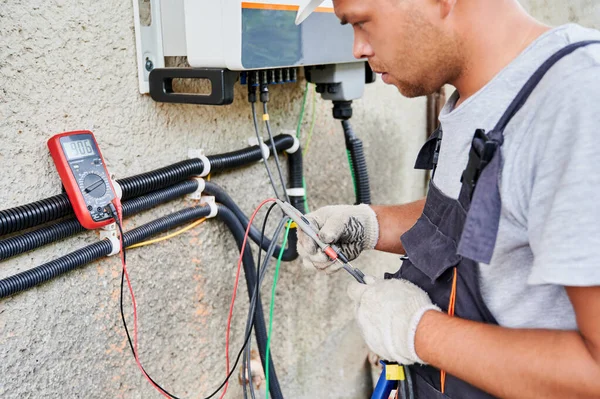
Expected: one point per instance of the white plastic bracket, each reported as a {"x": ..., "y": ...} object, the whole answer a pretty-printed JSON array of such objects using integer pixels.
[
  {"x": 148, "y": 43},
  {"x": 296, "y": 192},
  {"x": 109, "y": 232},
  {"x": 296, "y": 144},
  {"x": 265, "y": 148},
  {"x": 199, "y": 153},
  {"x": 117, "y": 187},
  {"x": 211, "y": 202},
  {"x": 197, "y": 195}
]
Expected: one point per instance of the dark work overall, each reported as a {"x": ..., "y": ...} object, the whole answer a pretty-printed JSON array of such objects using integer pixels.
[{"x": 451, "y": 236}]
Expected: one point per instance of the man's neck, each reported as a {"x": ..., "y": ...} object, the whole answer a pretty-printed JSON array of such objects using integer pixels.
[{"x": 490, "y": 46}]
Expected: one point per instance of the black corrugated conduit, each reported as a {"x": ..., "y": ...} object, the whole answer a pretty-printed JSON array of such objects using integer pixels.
[
  {"x": 40, "y": 274},
  {"x": 359, "y": 164},
  {"x": 49, "y": 209},
  {"x": 260, "y": 329},
  {"x": 16, "y": 245},
  {"x": 46, "y": 235}
]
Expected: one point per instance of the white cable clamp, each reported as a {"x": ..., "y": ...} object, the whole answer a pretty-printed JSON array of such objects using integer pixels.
[
  {"x": 116, "y": 187},
  {"x": 109, "y": 232},
  {"x": 296, "y": 192},
  {"x": 199, "y": 153},
  {"x": 296, "y": 144},
  {"x": 265, "y": 148},
  {"x": 210, "y": 201},
  {"x": 196, "y": 195}
]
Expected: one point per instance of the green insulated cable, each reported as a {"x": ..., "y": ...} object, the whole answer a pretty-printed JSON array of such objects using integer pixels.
[
  {"x": 285, "y": 239},
  {"x": 352, "y": 172},
  {"x": 306, "y": 208}
]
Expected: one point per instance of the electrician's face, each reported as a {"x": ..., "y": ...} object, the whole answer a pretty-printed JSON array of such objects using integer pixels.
[{"x": 407, "y": 41}]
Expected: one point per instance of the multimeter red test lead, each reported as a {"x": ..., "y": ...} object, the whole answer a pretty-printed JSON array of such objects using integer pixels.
[{"x": 84, "y": 176}]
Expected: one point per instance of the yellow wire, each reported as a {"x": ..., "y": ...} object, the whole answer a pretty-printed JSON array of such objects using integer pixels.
[{"x": 169, "y": 236}]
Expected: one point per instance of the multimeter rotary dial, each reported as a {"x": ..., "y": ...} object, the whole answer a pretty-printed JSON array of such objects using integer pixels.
[{"x": 94, "y": 185}]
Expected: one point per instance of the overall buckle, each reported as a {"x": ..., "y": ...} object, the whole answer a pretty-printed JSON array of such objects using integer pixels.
[{"x": 481, "y": 153}]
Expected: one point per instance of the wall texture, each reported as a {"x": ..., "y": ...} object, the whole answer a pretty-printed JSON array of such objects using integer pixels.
[{"x": 67, "y": 65}]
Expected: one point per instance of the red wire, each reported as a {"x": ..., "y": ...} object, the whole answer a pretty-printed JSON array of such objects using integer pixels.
[
  {"x": 135, "y": 337},
  {"x": 235, "y": 287}
]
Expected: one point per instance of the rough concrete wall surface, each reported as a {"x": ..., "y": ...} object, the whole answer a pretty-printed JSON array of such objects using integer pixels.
[
  {"x": 68, "y": 65},
  {"x": 72, "y": 65}
]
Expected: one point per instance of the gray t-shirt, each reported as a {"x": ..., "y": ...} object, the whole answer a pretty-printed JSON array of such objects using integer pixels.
[{"x": 549, "y": 234}]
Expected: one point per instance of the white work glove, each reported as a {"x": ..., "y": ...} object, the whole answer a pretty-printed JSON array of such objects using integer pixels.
[
  {"x": 388, "y": 313},
  {"x": 352, "y": 228}
]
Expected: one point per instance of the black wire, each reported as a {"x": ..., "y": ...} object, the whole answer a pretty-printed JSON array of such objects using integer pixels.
[
  {"x": 262, "y": 237},
  {"x": 117, "y": 221},
  {"x": 256, "y": 293},
  {"x": 274, "y": 150},
  {"x": 260, "y": 144}
]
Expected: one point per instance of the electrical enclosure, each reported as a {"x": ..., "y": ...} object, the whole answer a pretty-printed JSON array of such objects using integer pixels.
[{"x": 240, "y": 35}]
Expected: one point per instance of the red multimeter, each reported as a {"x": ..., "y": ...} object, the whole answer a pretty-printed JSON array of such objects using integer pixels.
[{"x": 83, "y": 173}]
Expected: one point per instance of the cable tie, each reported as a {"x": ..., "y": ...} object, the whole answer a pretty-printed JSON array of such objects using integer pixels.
[
  {"x": 211, "y": 202},
  {"x": 296, "y": 144},
  {"x": 197, "y": 195},
  {"x": 109, "y": 232},
  {"x": 116, "y": 187},
  {"x": 264, "y": 148},
  {"x": 199, "y": 153},
  {"x": 296, "y": 192}
]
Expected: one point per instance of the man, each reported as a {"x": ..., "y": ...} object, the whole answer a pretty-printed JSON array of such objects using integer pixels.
[{"x": 513, "y": 252}]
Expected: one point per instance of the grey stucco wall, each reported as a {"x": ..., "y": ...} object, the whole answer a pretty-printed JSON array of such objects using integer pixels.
[
  {"x": 68, "y": 65},
  {"x": 71, "y": 65}
]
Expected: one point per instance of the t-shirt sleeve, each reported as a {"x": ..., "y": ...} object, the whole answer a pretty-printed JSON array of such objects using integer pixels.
[{"x": 564, "y": 207}]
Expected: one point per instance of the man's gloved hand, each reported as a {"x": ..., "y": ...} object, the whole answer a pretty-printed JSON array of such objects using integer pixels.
[
  {"x": 388, "y": 312},
  {"x": 353, "y": 228}
]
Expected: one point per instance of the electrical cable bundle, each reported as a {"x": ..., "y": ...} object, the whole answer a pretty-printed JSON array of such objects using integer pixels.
[
  {"x": 145, "y": 191},
  {"x": 260, "y": 274},
  {"x": 46, "y": 210}
]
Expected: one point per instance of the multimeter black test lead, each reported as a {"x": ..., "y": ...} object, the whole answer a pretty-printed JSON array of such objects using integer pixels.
[
  {"x": 83, "y": 172},
  {"x": 332, "y": 251}
]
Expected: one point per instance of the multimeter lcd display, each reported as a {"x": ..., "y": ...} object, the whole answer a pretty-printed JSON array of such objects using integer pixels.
[{"x": 78, "y": 149}]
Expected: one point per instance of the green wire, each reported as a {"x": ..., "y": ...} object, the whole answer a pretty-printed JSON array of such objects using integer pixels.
[
  {"x": 306, "y": 208},
  {"x": 285, "y": 239},
  {"x": 352, "y": 171},
  {"x": 301, "y": 118}
]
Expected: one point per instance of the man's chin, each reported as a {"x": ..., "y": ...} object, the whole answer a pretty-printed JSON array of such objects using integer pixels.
[
  {"x": 412, "y": 91},
  {"x": 406, "y": 89}
]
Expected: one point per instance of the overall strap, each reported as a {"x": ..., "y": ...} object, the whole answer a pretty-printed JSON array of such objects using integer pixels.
[
  {"x": 428, "y": 155},
  {"x": 535, "y": 79},
  {"x": 481, "y": 227}
]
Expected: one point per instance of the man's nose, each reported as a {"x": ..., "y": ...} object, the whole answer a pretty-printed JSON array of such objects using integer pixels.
[{"x": 361, "y": 48}]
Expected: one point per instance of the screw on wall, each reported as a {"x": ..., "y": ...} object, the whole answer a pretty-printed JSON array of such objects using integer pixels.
[{"x": 149, "y": 64}]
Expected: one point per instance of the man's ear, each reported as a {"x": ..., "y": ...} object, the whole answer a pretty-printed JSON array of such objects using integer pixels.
[{"x": 446, "y": 7}]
